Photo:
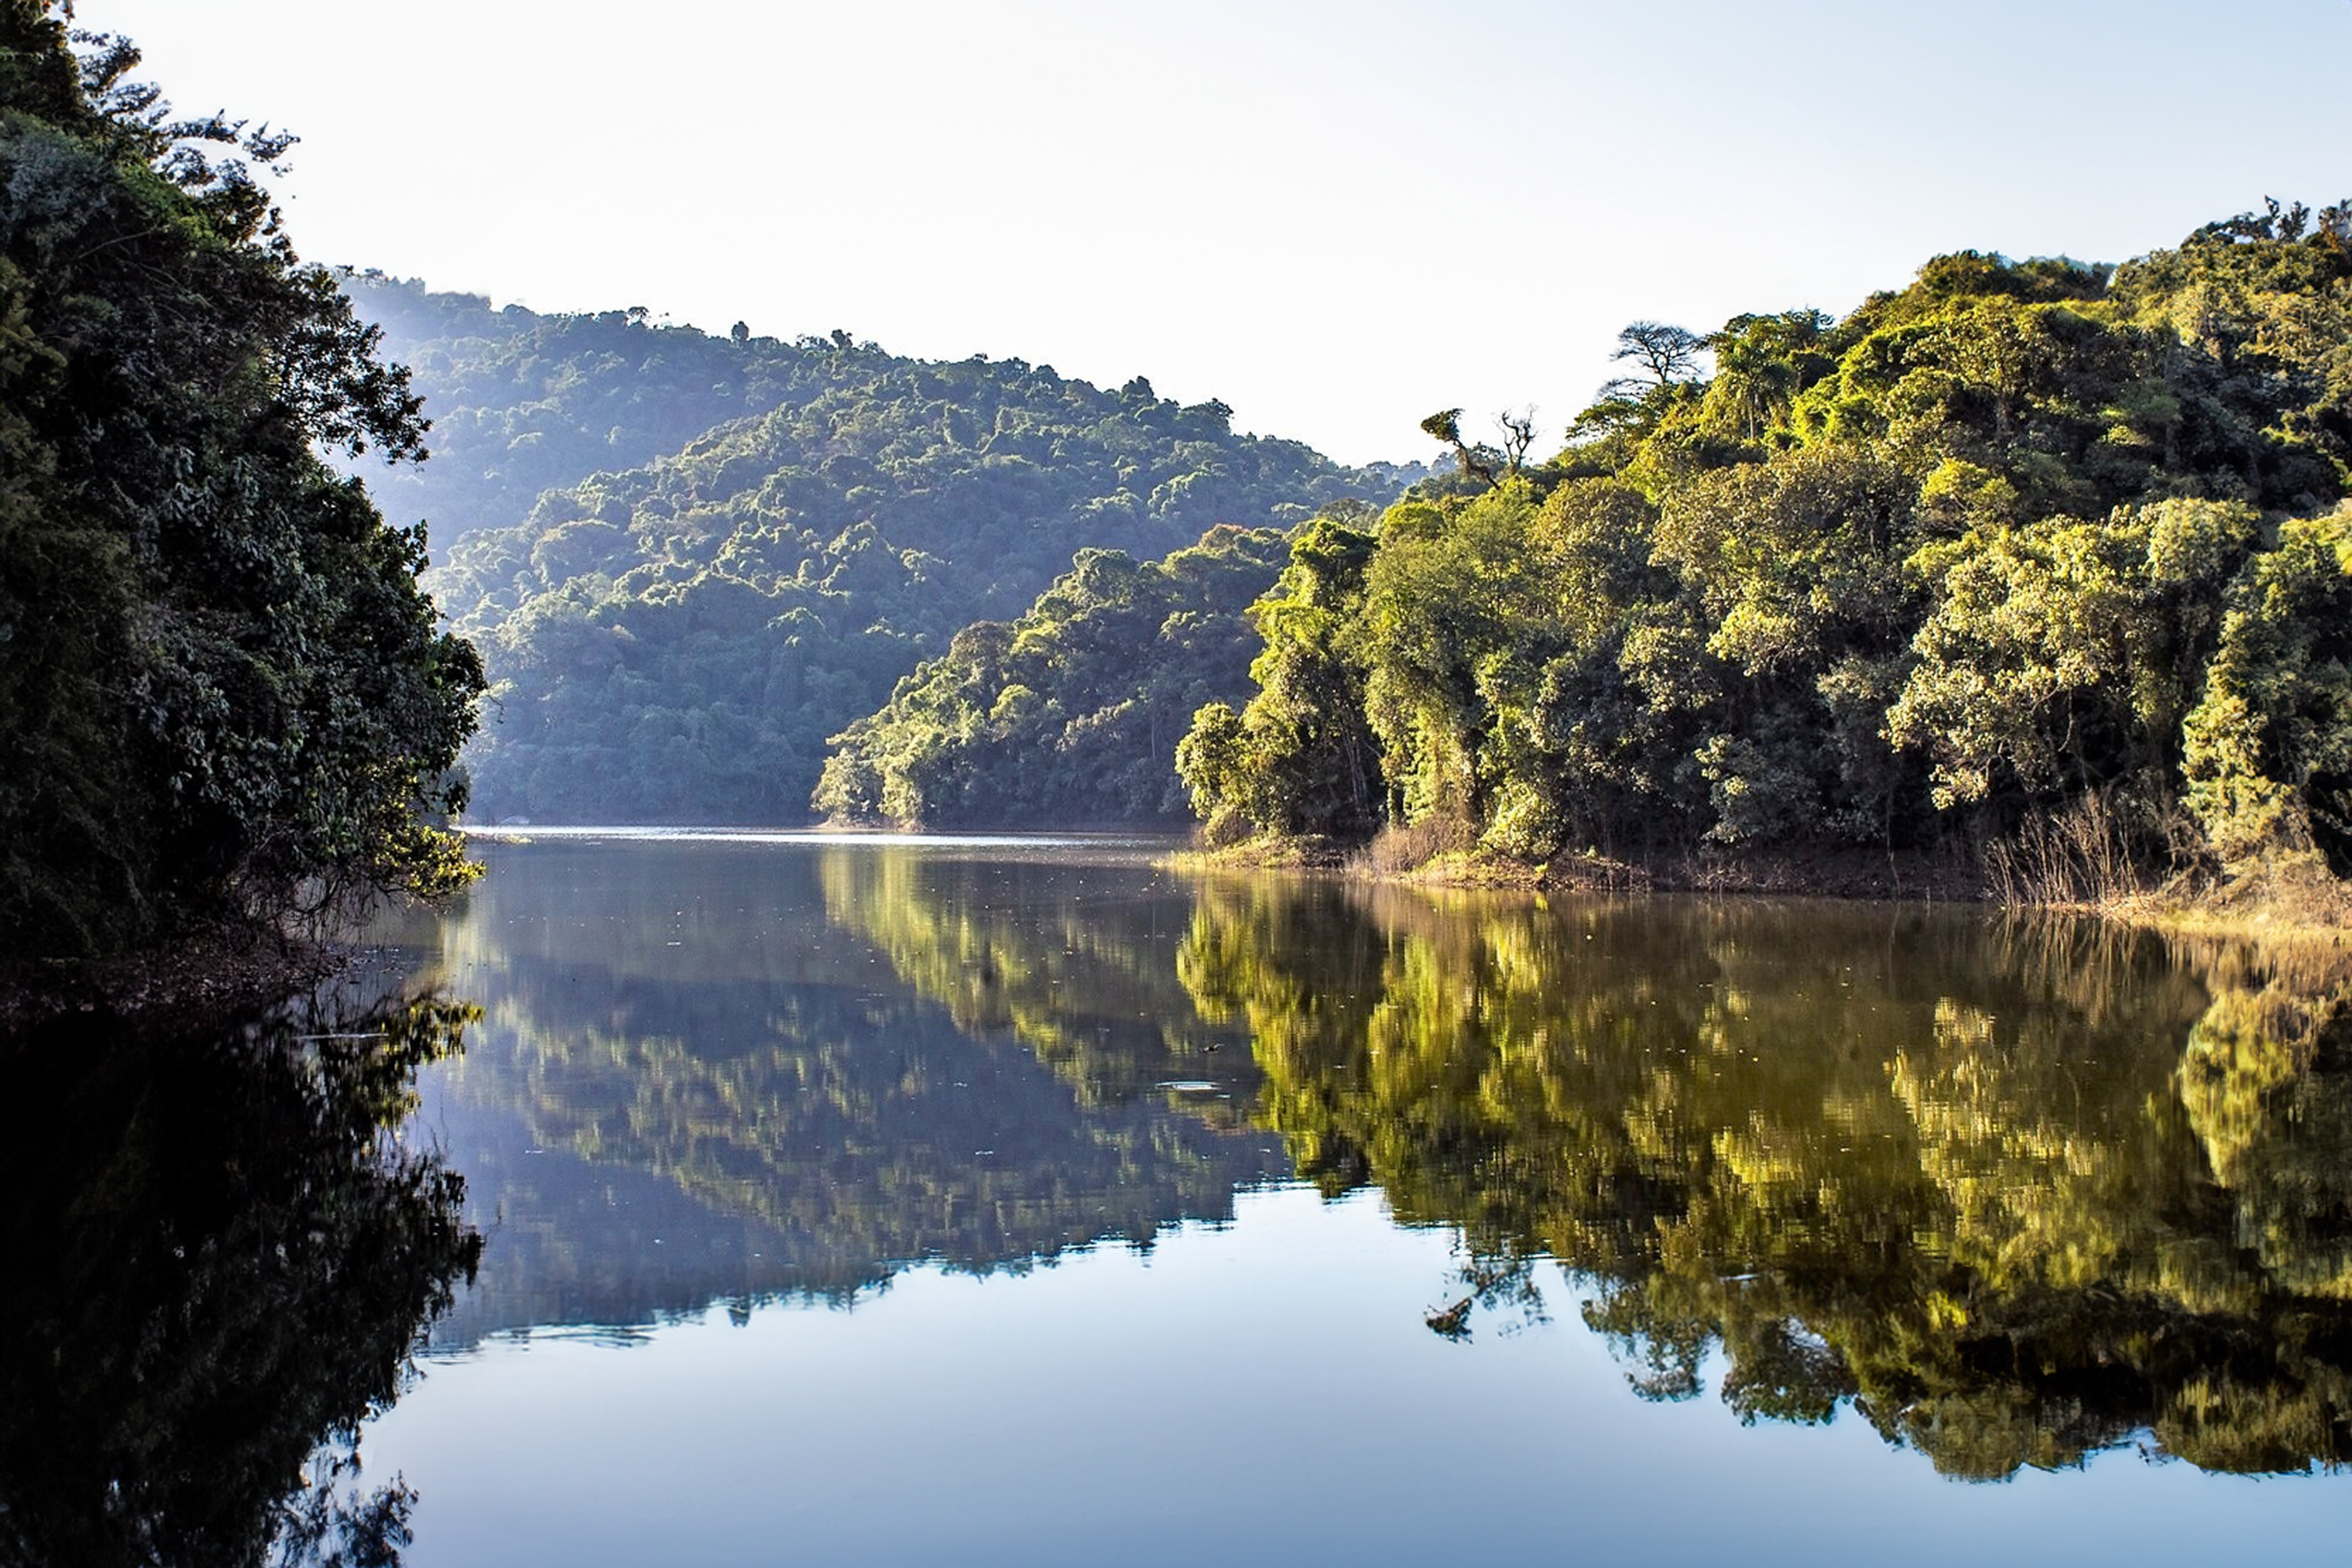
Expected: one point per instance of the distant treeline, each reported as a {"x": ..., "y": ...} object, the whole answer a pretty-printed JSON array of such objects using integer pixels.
[
  {"x": 674, "y": 631},
  {"x": 2034, "y": 559}
]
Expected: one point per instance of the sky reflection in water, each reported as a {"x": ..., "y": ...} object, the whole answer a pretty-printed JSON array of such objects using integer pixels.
[{"x": 724, "y": 1091}]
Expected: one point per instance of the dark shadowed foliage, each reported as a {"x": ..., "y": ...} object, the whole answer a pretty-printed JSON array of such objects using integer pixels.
[
  {"x": 219, "y": 1258},
  {"x": 221, "y": 693}
]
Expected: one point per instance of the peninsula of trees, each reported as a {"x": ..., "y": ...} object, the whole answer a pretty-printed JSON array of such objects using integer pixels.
[{"x": 2032, "y": 566}]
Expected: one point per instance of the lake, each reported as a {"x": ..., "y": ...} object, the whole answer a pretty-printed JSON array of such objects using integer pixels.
[{"x": 1014, "y": 1201}]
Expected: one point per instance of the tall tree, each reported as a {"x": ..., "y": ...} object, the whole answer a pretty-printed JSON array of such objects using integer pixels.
[{"x": 1662, "y": 354}]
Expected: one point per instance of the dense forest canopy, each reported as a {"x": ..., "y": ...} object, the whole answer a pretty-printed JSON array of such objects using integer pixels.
[
  {"x": 2035, "y": 558},
  {"x": 676, "y": 639},
  {"x": 523, "y": 402},
  {"x": 222, "y": 692},
  {"x": 1069, "y": 716}
]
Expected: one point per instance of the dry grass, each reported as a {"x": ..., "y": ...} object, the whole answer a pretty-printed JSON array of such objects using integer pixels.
[
  {"x": 2289, "y": 907},
  {"x": 1265, "y": 852},
  {"x": 2082, "y": 857},
  {"x": 1401, "y": 851}
]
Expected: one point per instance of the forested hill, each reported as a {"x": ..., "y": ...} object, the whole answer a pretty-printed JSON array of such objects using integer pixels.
[
  {"x": 1069, "y": 716},
  {"x": 674, "y": 636},
  {"x": 522, "y": 402}
]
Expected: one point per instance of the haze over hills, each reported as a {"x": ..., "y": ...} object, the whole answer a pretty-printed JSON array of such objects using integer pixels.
[{"x": 689, "y": 560}]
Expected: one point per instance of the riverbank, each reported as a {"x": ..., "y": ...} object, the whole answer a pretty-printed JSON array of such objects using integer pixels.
[
  {"x": 218, "y": 971},
  {"x": 1399, "y": 858},
  {"x": 2296, "y": 910},
  {"x": 2296, "y": 903}
]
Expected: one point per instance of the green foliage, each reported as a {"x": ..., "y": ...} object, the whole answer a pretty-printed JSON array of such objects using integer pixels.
[
  {"x": 2061, "y": 655},
  {"x": 523, "y": 403},
  {"x": 2268, "y": 753},
  {"x": 2018, "y": 537},
  {"x": 1442, "y": 610},
  {"x": 1070, "y": 715},
  {"x": 676, "y": 641},
  {"x": 221, "y": 692},
  {"x": 1299, "y": 759}
]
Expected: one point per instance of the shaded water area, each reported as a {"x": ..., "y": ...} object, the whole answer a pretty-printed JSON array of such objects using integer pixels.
[
  {"x": 998, "y": 1202},
  {"x": 219, "y": 1255}
]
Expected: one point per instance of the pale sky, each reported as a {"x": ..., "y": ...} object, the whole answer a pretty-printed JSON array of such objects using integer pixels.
[{"x": 1337, "y": 218}]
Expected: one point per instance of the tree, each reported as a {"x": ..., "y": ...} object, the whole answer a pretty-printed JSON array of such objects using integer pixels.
[
  {"x": 2268, "y": 751},
  {"x": 1299, "y": 759},
  {"x": 223, "y": 694},
  {"x": 1665, "y": 354},
  {"x": 1070, "y": 715},
  {"x": 1518, "y": 428},
  {"x": 1475, "y": 458},
  {"x": 1762, "y": 362}
]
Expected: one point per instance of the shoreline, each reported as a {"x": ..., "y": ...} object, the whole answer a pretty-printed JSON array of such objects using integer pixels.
[
  {"x": 1787, "y": 876},
  {"x": 226, "y": 969},
  {"x": 2294, "y": 911},
  {"x": 206, "y": 973}
]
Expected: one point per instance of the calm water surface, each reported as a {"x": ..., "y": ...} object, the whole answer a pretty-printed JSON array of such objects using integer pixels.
[
  {"x": 924, "y": 1202},
  {"x": 1007, "y": 1203}
]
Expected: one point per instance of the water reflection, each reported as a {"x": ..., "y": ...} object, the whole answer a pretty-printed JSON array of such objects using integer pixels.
[
  {"x": 218, "y": 1261},
  {"x": 694, "y": 1086},
  {"x": 2014, "y": 1194}
]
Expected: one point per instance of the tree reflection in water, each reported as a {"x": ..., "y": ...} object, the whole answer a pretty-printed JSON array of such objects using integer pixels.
[
  {"x": 2013, "y": 1192},
  {"x": 220, "y": 1257},
  {"x": 2016, "y": 1194},
  {"x": 790, "y": 1123}
]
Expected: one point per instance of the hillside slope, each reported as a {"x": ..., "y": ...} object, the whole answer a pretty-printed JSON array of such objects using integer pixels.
[
  {"x": 522, "y": 403},
  {"x": 1070, "y": 715},
  {"x": 676, "y": 640}
]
